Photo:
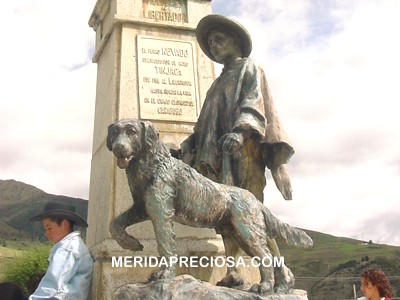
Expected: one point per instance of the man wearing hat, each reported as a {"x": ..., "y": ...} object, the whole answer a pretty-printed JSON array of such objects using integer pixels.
[
  {"x": 70, "y": 265},
  {"x": 238, "y": 132}
]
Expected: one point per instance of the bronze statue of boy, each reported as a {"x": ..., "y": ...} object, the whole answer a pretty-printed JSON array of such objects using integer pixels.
[{"x": 238, "y": 132}]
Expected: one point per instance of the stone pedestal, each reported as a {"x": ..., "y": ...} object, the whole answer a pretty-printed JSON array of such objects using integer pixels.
[
  {"x": 186, "y": 287},
  {"x": 114, "y": 267},
  {"x": 151, "y": 68}
]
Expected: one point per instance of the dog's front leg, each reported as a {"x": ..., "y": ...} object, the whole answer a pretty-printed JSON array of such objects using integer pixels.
[
  {"x": 159, "y": 206},
  {"x": 117, "y": 228}
]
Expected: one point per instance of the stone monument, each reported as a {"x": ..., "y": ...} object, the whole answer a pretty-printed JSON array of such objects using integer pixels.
[{"x": 149, "y": 66}]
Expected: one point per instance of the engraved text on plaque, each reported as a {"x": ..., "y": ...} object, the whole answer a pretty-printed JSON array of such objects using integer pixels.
[{"x": 167, "y": 80}]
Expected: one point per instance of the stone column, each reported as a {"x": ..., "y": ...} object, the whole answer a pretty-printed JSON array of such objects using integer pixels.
[{"x": 149, "y": 67}]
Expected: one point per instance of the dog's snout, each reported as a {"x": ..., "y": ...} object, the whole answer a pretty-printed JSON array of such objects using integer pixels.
[{"x": 119, "y": 148}]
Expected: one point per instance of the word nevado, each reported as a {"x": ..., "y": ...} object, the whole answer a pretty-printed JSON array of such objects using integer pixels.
[
  {"x": 167, "y": 52},
  {"x": 194, "y": 261}
]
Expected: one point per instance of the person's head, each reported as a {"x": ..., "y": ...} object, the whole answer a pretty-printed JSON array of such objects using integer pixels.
[
  {"x": 223, "y": 39},
  {"x": 225, "y": 46},
  {"x": 58, "y": 220},
  {"x": 10, "y": 291},
  {"x": 375, "y": 284},
  {"x": 56, "y": 229}
]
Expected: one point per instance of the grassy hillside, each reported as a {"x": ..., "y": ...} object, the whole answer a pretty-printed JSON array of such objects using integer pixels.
[
  {"x": 19, "y": 202},
  {"x": 330, "y": 268},
  {"x": 9, "y": 251}
]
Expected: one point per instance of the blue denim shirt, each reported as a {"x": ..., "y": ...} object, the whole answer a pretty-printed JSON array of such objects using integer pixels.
[{"x": 69, "y": 273}]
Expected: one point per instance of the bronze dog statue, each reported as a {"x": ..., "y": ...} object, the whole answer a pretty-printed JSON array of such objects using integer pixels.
[{"x": 165, "y": 189}]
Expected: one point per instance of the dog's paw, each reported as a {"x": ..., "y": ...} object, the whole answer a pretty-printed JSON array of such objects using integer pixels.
[
  {"x": 231, "y": 280},
  {"x": 262, "y": 288},
  {"x": 131, "y": 243},
  {"x": 162, "y": 274},
  {"x": 284, "y": 280}
]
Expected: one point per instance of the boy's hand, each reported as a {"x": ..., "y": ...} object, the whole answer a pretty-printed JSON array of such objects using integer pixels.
[{"x": 231, "y": 142}]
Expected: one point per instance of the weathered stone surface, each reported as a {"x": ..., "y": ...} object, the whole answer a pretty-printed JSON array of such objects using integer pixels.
[
  {"x": 122, "y": 77},
  {"x": 186, "y": 287}
]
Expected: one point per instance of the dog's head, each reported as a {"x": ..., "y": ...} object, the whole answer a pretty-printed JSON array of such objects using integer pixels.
[{"x": 128, "y": 138}]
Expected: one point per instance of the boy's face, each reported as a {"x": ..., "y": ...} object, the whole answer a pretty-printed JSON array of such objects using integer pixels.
[
  {"x": 222, "y": 46},
  {"x": 55, "y": 232}
]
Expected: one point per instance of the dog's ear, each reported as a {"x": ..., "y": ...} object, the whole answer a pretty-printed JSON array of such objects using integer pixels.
[
  {"x": 150, "y": 134},
  {"x": 109, "y": 141}
]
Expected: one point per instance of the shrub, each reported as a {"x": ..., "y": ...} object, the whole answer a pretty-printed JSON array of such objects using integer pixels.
[
  {"x": 28, "y": 267},
  {"x": 348, "y": 264}
]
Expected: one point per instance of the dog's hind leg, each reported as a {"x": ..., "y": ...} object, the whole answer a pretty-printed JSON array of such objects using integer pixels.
[
  {"x": 232, "y": 249},
  {"x": 256, "y": 247},
  {"x": 284, "y": 279},
  {"x": 250, "y": 233},
  {"x": 267, "y": 281},
  {"x": 119, "y": 224}
]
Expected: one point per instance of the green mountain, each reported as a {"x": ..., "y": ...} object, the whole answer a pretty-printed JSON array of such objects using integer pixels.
[
  {"x": 333, "y": 265},
  {"x": 19, "y": 202}
]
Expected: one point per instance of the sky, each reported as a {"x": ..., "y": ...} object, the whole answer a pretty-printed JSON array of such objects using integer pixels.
[{"x": 333, "y": 69}]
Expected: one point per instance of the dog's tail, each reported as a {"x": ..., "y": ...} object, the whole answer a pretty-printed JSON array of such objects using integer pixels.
[{"x": 284, "y": 232}]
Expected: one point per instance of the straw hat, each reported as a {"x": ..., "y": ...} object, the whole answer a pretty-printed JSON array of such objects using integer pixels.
[
  {"x": 61, "y": 210},
  {"x": 211, "y": 22}
]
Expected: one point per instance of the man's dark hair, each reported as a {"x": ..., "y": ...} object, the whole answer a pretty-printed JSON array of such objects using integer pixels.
[
  {"x": 60, "y": 219},
  {"x": 10, "y": 291}
]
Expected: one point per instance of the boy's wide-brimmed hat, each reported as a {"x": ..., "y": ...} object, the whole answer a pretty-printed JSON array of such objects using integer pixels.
[
  {"x": 61, "y": 210},
  {"x": 211, "y": 22}
]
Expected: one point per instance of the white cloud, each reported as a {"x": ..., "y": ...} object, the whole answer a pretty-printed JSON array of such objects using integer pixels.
[
  {"x": 47, "y": 101},
  {"x": 332, "y": 67}
]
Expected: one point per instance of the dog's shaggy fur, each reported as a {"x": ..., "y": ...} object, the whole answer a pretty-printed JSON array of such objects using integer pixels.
[{"x": 165, "y": 189}]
